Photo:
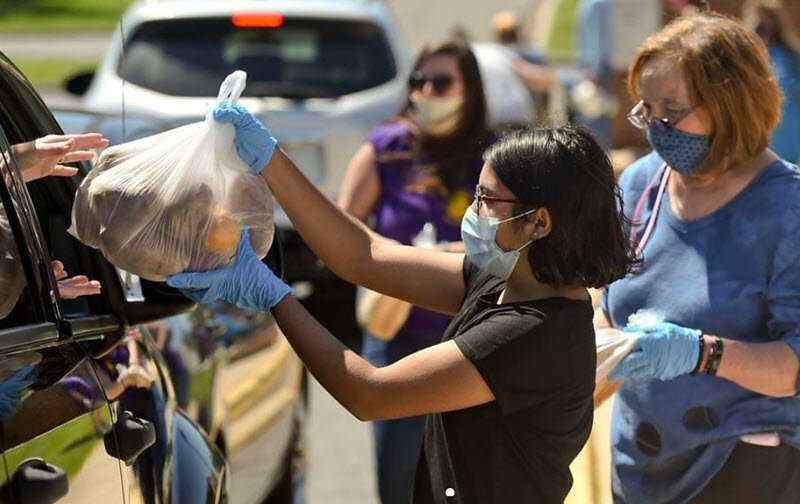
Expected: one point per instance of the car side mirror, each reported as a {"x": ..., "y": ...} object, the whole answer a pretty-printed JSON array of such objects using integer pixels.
[{"x": 77, "y": 84}]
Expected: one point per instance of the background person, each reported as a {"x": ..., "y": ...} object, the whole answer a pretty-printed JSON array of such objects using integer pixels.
[
  {"x": 594, "y": 46},
  {"x": 769, "y": 20},
  {"x": 420, "y": 167},
  {"x": 505, "y": 27},
  {"x": 709, "y": 410}
]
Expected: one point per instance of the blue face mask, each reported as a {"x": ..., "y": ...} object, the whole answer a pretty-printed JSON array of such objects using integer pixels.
[
  {"x": 682, "y": 151},
  {"x": 477, "y": 233}
]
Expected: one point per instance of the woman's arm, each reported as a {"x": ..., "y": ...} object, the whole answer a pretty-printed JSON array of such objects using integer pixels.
[
  {"x": 426, "y": 278},
  {"x": 667, "y": 350},
  {"x": 361, "y": 186},
  {"x": 439, "y": 378},
  {"x": 436, "y": 379},
  {"x": 536, "y": 77},
  {"x": 766, "y": 368}
]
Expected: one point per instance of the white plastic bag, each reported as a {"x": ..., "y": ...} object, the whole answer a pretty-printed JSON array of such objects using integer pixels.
[
  {"x": 613, "y": 346},
  {"x": 176, "y": 201}
]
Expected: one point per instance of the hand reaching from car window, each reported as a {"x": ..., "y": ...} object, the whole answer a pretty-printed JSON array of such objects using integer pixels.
[
  {"x": 71, "y": 288},
  {"x": 47, "y": 156}
]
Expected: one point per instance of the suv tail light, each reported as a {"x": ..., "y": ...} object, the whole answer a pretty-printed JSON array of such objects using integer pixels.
[{"x": 257, "y": 20}]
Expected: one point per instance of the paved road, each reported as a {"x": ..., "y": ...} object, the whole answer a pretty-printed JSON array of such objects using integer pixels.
[
  {"x": 81, "y": 46},
  {"x": 340, "y": 454}
]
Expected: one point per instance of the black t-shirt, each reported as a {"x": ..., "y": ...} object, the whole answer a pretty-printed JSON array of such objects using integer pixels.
[{"x": 538, "y": 358}]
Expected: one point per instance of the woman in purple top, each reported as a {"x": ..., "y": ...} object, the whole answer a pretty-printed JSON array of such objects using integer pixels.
[{"x": 419, "y": 167}]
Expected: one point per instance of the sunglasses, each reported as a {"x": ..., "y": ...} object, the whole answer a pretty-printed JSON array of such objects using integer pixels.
[{"x": 440, "y": 83}]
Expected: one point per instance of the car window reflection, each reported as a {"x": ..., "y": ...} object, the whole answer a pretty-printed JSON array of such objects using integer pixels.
[
  {"x": 17, "y": 373},
  {"x": 52, "y": 408}
]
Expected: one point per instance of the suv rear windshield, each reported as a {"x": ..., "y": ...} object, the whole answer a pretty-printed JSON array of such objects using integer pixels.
[{"x": 302, "y": 58}]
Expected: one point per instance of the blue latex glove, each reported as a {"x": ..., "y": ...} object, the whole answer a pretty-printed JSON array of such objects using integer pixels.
[
  {"x": 247, "y": 283},
  {"x": 254, "y": 143},
  {"x": 664, "y": 351}
]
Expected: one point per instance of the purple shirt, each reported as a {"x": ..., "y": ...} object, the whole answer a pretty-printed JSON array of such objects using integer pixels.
[{"x": 400, "y": 213}]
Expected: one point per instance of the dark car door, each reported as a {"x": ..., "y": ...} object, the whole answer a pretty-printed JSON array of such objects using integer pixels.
[
  {"x": 90, "y": 348},
  {"x": 54, "y": 417}
]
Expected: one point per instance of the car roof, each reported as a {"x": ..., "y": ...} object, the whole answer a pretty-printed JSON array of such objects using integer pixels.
[{"x": 329, "y": 9}]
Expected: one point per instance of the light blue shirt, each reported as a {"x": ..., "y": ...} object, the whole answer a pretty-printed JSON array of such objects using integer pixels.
[{"x": 734, "y": 273}]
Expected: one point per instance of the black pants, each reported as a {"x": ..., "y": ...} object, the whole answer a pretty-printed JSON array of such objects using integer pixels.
[{"x": 754, "y": 475}]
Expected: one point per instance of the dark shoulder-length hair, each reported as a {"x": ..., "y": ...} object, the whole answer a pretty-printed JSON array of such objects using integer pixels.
[
  {"x": 566, "y": 171},
  {"x": 454, "y": 156}
]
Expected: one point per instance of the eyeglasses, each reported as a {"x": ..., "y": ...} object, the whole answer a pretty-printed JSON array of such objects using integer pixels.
[
  {"x": 440, "y": 83},
  {"x": 641, "y": 119},
  {"x": 480, "y": 197}
]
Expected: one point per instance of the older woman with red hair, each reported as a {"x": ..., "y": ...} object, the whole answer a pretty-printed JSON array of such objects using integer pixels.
[{"x": 709, "y": 412}]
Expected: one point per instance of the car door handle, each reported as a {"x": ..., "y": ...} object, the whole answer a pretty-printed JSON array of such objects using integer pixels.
[
  {"x": 35, "y": 482},
  {"x": 129, "y": 437}
]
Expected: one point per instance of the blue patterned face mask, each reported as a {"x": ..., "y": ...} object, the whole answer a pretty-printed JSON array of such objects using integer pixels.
[{"x": 682, "y": 151}]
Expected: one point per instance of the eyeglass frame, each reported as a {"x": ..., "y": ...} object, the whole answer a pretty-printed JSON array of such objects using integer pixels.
[
  {"x": 640, "y": 120},
  {"x": 479, "y": 197}
]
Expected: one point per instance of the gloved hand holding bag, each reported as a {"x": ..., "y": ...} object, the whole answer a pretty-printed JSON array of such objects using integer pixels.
[{"x": 178, "y": 201}]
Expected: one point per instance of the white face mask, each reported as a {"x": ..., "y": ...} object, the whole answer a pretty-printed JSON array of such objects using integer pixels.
[
  {"x": 438, "y": 115},
  {"x": 478, "y": 233}
]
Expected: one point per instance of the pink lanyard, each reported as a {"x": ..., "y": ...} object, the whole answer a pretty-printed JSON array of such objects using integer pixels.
[{"x": 663, "y": 175}]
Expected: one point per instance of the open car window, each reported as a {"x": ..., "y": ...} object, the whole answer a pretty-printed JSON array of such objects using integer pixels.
[
  {"x": 16, "y": 302},
  {"x": 47, "y": 202}
]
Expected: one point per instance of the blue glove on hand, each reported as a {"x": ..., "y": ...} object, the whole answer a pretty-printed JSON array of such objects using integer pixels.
[
  {"x": 664, "y": 351},
  {"x": 254, "y": 143},
  {"x": 247, "y": 283}
]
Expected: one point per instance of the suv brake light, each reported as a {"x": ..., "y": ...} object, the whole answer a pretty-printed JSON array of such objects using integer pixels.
[{"x": 257, "y": 20}]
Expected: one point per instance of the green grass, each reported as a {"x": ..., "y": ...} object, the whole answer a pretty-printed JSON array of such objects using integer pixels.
[
  {"x": 47, "y": 16},
  {"x": 51, "y": 73}
]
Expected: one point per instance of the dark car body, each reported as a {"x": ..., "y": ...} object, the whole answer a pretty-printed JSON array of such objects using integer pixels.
[{"x": 72, "y": 427}]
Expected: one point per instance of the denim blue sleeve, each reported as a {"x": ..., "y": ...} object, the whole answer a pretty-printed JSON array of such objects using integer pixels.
[{"x": 783, "y": 292}]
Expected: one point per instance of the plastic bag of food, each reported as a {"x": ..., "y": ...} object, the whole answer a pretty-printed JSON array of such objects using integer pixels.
[
  {"x": 613, "y": 346},
  {"x": 176, "y": 201}
]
